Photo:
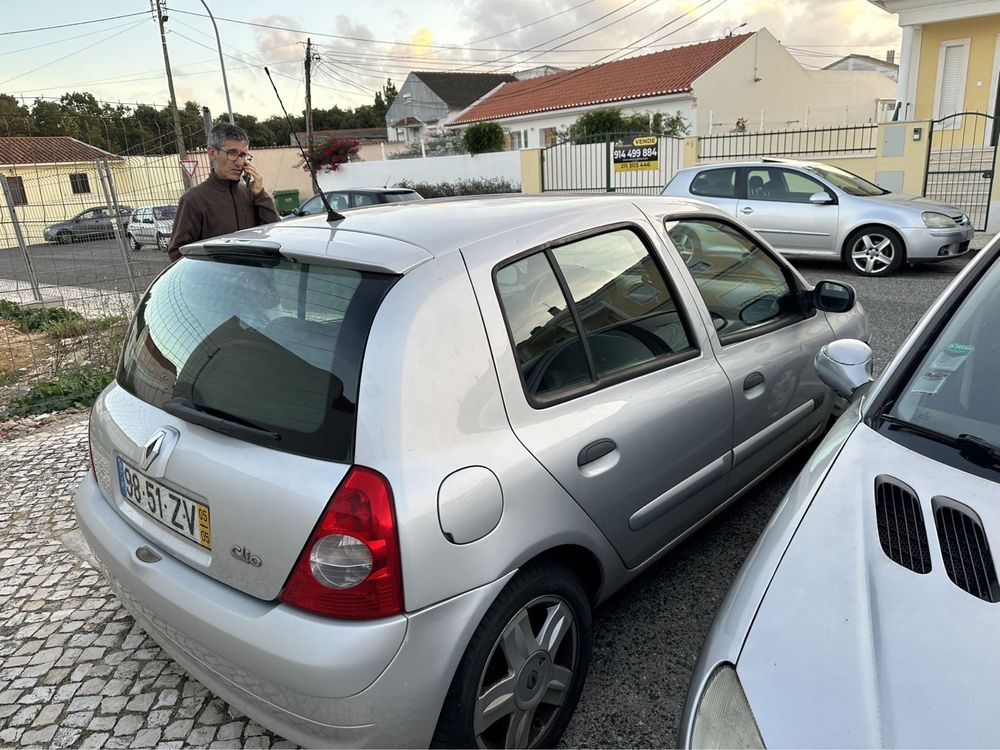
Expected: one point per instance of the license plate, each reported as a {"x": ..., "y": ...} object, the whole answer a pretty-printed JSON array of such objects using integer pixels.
[{"x": 180, "y": 514}]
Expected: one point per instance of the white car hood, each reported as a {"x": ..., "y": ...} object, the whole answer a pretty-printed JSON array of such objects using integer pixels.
[{"x": 851, "y": 649}]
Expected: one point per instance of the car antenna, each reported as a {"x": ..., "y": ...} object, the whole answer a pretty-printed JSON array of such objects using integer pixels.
[{"x": 331, "y": 215}]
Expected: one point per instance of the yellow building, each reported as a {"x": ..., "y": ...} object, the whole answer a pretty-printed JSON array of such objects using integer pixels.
[
  {"x": 949, "y": 67},
  {"x": 55, "y": 178}
]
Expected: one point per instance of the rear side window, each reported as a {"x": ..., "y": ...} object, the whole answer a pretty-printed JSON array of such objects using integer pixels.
[
  {"x": 718, "y": 183},
  {"x": 588, "y": 312},
  {"x": 271, "y": 343}
]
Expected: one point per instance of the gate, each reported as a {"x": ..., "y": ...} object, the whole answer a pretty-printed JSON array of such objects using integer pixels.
[
  {"x": 612, "y": 163},
  {"x": 961, "y": 163}
]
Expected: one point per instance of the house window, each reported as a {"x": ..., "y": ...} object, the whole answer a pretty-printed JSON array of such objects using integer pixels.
[
  {"x": 949, "y": 96},
  {"x": 548, "y": 136},
  {"x": 17, "y": 191},
  {"x": 79, "y": 182}
]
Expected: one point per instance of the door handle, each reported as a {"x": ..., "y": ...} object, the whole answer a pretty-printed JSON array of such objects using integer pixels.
[
  {"x": 597, "y": 449},
  {"x": 752, "y": 381},
  {"x": 746, "y": 210}
]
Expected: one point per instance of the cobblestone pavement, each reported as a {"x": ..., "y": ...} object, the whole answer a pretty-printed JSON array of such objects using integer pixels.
[{"x": 75, "y": 669}]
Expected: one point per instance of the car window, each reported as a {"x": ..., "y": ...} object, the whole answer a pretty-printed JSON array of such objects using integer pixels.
[
  {"x": 312, "y": 206},
  {"x": 364, "y": 199},
  {"x": 223, "y": 333},
  {"x": 401, "y": 197},
  {"x": 719, "y": 183},
  {"x": 90, "y": 214},
  {"x": 771, "y": 184},
  {"x": 165, "y": 213},
  {"x": 616, "y": 292},
  {"x": 744, "y": 288}
]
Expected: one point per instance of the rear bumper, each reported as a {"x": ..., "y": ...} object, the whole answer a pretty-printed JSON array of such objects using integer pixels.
[
  {"x": 924, "y": 244},
  {"x": 316, "y": 681}
]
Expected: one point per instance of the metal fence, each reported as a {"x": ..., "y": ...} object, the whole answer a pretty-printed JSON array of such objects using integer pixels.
[
  {"x": 855, "y": 140},
  {"x": 961, "y": 164},
  {"x": 592, "y": 167},
  {"x": 71, "y": 269}
]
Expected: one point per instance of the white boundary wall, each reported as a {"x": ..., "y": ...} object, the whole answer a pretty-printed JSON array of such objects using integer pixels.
[{"x": 504, "y": 164}]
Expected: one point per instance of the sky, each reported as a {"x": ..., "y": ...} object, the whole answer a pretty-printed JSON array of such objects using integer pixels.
[{"x": 360, "y": 45}]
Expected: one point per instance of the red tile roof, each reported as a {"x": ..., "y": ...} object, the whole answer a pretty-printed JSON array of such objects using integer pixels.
[
  {"x": 48, "y": 149},
  {"x": 672, "y": 71}
]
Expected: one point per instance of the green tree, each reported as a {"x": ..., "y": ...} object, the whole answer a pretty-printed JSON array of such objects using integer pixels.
[
  {"x": 595, "y": 126},
  {"x": 13, "y": 116},
  {"x": 384, "y": 100},
  {"x": 483, "y": 137}
]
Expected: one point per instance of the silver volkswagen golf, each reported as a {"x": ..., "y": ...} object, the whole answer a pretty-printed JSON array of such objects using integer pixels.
[
  {"x": 812, "y": 210},
  {"x": 867, "y": 614},
  {"x": 365, "y": 478}
]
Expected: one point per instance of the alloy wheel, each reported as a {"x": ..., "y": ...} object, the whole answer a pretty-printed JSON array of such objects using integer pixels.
[
  {"x": 528, "y": 675},
  {"x": 874, "y": 254}
]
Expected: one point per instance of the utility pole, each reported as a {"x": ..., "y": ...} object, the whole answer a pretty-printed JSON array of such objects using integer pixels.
[
  {"x": 178, "y": 133},
  {"x": 309, "y": 113}
]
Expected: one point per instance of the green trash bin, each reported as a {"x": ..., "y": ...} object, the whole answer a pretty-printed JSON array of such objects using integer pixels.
[{"x": 286, "y": 201}]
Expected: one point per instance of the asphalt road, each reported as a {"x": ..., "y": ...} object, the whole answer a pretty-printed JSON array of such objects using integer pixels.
[
  {"x": 96, "y": 264},
  {"x": 648, "y": 635}
]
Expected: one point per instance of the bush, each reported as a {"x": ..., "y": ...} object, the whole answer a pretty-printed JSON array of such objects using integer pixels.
[
  {"x": 327, "y": 157},
  {"x": 483, "y": 137},
  {"x": 480, "y": 186},
  {"x": 36, "y": 318},
  {"x": 595, "y": 126},
  {"x": 76, "y": 387}
]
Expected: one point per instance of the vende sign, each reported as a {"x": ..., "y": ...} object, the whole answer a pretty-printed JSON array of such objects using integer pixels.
[{"x": 189, "y": 165}]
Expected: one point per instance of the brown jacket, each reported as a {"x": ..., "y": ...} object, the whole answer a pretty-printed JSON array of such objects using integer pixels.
[{"x": 218, "y": 206}]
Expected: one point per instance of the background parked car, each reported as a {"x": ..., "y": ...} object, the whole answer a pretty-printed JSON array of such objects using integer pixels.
[
  {"x": 367, "y": 486},
  {"x": 151, "y": 225},
  {"x": 94, "y": 223},
  {"x": 355, "y": 198},
  {"x": 812, "y": 210},
  {"x": 868, "y": 609}
]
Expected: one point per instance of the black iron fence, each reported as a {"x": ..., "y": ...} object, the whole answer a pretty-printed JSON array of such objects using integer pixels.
[
  {"x": 855, "y": 140},
  {"x": 961, "y": 164}
]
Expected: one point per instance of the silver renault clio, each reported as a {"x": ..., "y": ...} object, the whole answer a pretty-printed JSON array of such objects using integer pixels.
[{"x": 365, "y": 476}]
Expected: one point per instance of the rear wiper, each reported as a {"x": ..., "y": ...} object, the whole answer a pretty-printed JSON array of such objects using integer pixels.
[
  {"x": 971, "y": 447},
  {"x": 228, "y": 424}
]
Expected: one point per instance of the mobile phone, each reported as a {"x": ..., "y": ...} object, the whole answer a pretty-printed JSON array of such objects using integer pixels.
[{"x": 247, "y": 178}]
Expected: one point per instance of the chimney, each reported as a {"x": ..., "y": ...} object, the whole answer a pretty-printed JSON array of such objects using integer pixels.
[{"x": 890, "y": 56}]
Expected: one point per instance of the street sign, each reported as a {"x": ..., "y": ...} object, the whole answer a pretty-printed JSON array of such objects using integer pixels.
[
  {"x": 189, "y": 165},
  {"x": 637, "y": 154}
]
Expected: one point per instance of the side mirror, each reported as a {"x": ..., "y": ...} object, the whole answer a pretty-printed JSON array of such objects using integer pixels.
[
  {"x": 845, "y": 365},
  {"x": 833, "y": 296},
  {"x": 822, "y": 198}
]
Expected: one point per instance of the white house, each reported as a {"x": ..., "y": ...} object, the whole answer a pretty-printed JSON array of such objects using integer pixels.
[{"x": 746, "y": 81}]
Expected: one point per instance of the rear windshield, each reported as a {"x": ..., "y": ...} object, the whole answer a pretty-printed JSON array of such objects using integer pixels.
[
  {"x": 270, "y": 343},
  {"x": 165, "y": 212}
]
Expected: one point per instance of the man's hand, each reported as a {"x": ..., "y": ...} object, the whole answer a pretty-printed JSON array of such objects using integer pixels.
[{"x": 257, "y": 185}]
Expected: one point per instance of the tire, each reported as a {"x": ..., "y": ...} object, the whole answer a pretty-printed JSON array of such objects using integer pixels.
[
  {"x": 530, "y": 682},
  {"x": 162, "y": 242},
  {"x": 874, "y": 251},
  {"x": 64, "y": 238},
  {"x": 133, "y": 243}
]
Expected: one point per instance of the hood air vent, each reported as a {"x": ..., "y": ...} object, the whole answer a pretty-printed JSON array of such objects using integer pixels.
[
  {"x": 965, "y": 550},
  {"x": 901, "y": 529}
]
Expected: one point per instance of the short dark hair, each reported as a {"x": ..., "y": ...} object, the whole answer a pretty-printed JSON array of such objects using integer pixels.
[{"x": 225, "y": 131}]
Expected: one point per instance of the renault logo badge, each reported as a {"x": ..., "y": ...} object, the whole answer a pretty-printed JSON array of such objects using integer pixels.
[{"x": 152, "y": 449}]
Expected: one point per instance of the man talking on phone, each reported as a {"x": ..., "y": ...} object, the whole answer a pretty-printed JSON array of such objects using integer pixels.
[{"x": 231, "y": 197}]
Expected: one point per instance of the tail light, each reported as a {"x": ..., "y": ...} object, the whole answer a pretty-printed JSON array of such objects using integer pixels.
[{"x": 350, "y": 567}]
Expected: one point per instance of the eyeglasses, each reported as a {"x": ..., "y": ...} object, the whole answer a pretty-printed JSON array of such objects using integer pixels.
[{"x": 234, "y": 153}]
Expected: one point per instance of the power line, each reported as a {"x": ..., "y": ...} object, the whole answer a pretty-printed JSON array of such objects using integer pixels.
[
  {"x": 76, "y": 23},
  {"x": 74, "y": 52},
  {"x": 671, "y": 22},
  {"x": 532, "y": 23}
]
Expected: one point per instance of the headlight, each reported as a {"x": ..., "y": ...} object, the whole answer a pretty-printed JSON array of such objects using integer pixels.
[
  {"x": 934, "y": 220},
  {"x": 723, "y": 718}
]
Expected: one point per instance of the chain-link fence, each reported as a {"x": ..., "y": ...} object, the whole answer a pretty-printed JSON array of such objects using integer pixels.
[{"x": 85, "y": 219}]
